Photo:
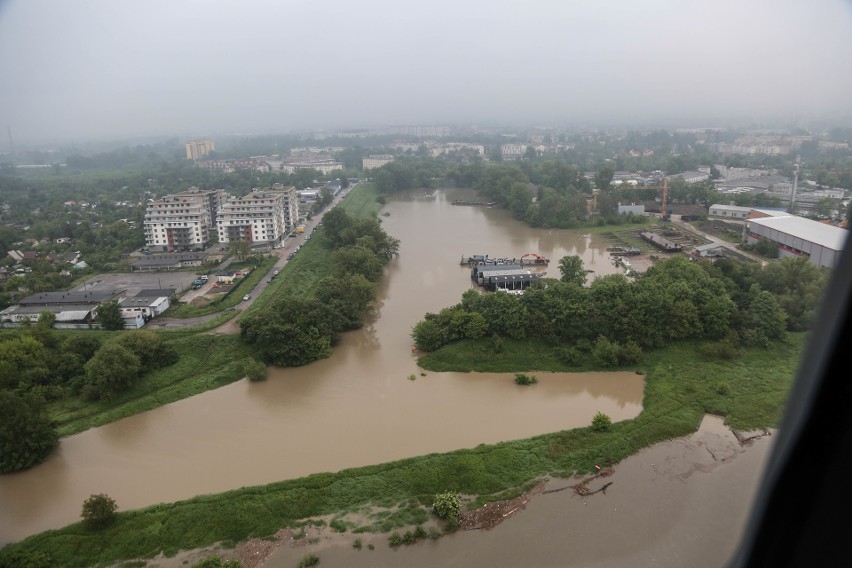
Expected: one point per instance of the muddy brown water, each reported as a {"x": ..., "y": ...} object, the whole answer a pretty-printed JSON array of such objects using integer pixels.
[{"x": 355, "y": 408}]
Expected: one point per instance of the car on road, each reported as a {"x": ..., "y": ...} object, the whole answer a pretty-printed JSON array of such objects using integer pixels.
[
  {"x": 275, "y": 273},
  {"x": 247, "y": 297}
]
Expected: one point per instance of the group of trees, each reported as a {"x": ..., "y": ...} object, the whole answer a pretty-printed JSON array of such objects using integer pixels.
[
  {"x": 296, "y": 331},
  {"x": 616, "y": 319},
  {"x": 38, "y": 365}
]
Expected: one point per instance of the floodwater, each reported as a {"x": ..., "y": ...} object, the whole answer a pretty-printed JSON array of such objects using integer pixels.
[
  {"x": 355, "y": 408},
  {"x": 683, "y": 502}
]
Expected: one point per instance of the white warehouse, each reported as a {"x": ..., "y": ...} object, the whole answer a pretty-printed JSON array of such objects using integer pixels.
[{"x": 796, "y": 236}]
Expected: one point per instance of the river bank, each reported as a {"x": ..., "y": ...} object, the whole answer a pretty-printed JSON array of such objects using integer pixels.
[{"x": 681, "y": 502}]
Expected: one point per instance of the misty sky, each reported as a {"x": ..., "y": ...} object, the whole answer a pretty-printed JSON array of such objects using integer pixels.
[{"x": 96, "y": 68}]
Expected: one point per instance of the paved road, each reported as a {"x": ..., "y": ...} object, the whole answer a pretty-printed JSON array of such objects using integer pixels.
[{"x": 718, "y": 241}]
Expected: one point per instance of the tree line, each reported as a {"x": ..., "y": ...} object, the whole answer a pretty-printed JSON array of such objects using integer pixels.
[
  {"x": 726, "y": 303},
  {"x": 38, "y": 365},
  {"x": 296, "y": 331}
]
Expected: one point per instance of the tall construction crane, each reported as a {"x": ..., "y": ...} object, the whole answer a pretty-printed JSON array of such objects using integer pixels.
[{"x": 664, "y": 212}]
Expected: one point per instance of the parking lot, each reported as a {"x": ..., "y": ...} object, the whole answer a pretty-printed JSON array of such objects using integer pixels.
[{"x": 133, "y": 282}]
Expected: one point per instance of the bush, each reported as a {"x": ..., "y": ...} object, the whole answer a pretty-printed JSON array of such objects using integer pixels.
[
  {"x": 27, "y": 435},
  {"x": 601, "y": 422},
  {"x": 630, "y": 353},
  {"x": 309, "y": 560},
  {"x": 394, "y": 540},
  {"x": 216, "y": 562},
  {"x": 357, "y": 545},
  {"x": 523, "y": 379},
  {"x": 605, "y": 352},
  {"x": 571, "y": 356},
  {"x": 99, "y": 511},
  {"x": 447, "y": 505},
  {"x": 722, "y": 388},
  {"x": 254, "y": 370},
  {"x": 496, "y": 344}
]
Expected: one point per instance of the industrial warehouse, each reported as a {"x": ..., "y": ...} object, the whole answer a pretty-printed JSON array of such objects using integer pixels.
[{"x": 799, "y": 237}]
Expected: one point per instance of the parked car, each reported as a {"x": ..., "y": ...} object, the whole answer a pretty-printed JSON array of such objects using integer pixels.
[{"x": 247, "y": 297}]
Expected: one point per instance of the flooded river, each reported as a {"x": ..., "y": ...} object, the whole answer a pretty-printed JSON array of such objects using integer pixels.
[{"x": 355, "y": 408}]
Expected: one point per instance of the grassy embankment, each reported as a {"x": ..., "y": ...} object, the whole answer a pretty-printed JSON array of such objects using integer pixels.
[
  {"x": 206, "y": 361},
  {"x": 680, "y": 388}
]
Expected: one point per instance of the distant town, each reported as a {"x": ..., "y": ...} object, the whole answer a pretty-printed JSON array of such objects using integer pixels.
[{"x": 69, "y": 214}]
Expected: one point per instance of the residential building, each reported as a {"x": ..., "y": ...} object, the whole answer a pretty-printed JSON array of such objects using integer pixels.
[
  {"x": 263, "y": 216},
  {"x": 183, "y": 221},
  {"x": 376, "y": 161},
  {"x": 513, "y": 151},
  {"x": 197, "y": 149},
  {"x": 325, "y": 167}
]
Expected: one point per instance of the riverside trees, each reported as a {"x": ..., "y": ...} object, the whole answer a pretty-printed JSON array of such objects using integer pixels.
[
  {"x": 297, "y": 331},
  {"x": 615, "y": 318}
]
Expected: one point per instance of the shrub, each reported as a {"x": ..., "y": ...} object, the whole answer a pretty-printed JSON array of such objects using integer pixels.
[
  {"x": 357, "y": 545},
  {"x": 524, "y": 379},
  {"x": 447, "y": 505},
  {"x": 601, "y": 422},
  {"x": 254, "y": 370},
  {"x": 99, "y": 511},
  {"x": 630, "y": 353},
  {"x": 309, "y": 560},
  {"x": 394, "y": 540},
  {"x": 571, "y": 356},
  {"x": 337, "y": 525},
  {"x": 496, "y": 343},
  {"x": 722, "y": 388},
  {"x": 605, "y": 352}
]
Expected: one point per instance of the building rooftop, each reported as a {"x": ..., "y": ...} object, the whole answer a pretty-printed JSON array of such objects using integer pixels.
[
  {"x": 819, "y": 233},
  {"x": 736, "y": 208},
  {"x": 85, "y": 298}
]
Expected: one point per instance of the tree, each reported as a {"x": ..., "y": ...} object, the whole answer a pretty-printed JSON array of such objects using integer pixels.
[
  {"x": 240, "y": 250},
  {"x": 152, "y": 351},
  {"x": 99, "y": 511},
  {"x": 111, "y": 371},
  {"x": 26, "y": 434},
  {"x": 349, "y": 295},
  {"x": 109, "y": 314},
  {"x": 571, "y": 268},
  {"x": 603, "y": 179}
]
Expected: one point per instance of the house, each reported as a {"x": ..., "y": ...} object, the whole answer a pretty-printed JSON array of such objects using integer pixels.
[
  {"x": 731, "y": 211},
  {"x": 147, "y": 303},
  {"x": 709, "y": 250},
  {"x": 225, "y": 276}
]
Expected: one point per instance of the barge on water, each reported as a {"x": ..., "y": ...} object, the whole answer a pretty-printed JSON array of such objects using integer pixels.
[{"x": 661, "y": 243}]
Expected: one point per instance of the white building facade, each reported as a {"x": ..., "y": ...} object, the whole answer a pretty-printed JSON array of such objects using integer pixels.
[
  {"x": 376, "y": 161},
  {"x": 183, "y": 221},
  {"x": 263, "y": 216}
]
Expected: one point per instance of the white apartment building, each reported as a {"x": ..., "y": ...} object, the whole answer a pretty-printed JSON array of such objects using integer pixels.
[
  {"x": 513, "y": 151},
  {"x": 376, "y": 161},
  {"x": 182, "y": 221},
  {"x": 264, "y": 216},
  {"x": 197, "y": 149},
  {"x": 324, "y": 167}
]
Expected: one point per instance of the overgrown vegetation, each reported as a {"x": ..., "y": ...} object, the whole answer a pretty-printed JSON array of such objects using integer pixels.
[
  {"x": 678, "y": 391},
  {"x": 99, "y": 511}
]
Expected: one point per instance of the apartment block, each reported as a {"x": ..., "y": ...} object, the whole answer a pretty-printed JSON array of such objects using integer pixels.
[
  {"x": 183, "y": 221},
  {"x": 376, "y": 161},
  {"x": 264, "y": 216},
  {"x": 197, "y": 149}
]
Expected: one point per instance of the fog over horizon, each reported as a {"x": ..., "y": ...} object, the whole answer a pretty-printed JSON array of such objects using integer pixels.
[{"x": 104, "y": 68}]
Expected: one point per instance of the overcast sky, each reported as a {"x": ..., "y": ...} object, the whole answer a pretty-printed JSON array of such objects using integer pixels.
[{"x": 95, "y": 68}]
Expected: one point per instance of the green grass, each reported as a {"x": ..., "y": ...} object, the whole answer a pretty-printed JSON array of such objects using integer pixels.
[
  {"x": 679, "y": 389},
  {"x": 206, "y": 362}
]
